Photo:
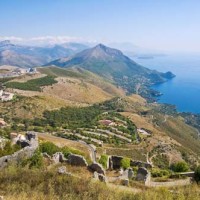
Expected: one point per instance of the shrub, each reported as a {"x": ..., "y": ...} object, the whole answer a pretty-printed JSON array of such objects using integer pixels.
[
  {"x": 159, "y": 173},
  {"x": 125, "y": 163},
  {"x": 36, "y": 161},
  {"x": 197, "y": 174},
  {"x": 180, "y": 167},
  {"x": 49, "y": 148},
  {"x": 103, "y": 160}
]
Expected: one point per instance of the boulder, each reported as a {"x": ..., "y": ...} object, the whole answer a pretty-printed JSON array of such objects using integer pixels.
[
  {"x": 96, "y": 167},
  {"x": 77, "y": 160},
  {"x": 62, "y": 170},
  {"x": 100, "y": 177},
  {"x": 125, "y": 182},
  {"x": 142, "y": 174}
]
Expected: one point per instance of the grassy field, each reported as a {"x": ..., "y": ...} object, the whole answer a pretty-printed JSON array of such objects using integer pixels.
[{"x": 40, "y": 184}]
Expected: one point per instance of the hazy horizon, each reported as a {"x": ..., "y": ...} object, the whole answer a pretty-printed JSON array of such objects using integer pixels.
[{"x": 170, "y": 26}]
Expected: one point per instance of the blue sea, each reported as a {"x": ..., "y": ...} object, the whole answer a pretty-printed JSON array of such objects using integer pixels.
[{"x": 184, "y": 90}]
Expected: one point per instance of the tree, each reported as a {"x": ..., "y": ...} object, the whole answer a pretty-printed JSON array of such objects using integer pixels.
[{"x": 180, "y": 167}]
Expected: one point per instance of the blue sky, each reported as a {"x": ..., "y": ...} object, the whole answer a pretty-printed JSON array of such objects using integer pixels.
[{"x": 171, "y": 25}]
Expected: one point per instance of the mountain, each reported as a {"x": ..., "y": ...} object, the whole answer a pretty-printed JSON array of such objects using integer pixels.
[
  {"x": 29, "y": 56},
  {"x": 115, "y": 66}
]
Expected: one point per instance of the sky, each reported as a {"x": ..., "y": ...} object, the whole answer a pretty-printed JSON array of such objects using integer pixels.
[{"x": 169, "y": 25}]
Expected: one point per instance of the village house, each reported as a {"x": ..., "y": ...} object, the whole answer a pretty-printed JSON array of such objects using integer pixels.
[{"x": 107, "y": 122}]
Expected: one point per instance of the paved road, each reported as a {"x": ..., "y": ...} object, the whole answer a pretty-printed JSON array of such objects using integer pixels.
[{"x": 55, "y": 138}]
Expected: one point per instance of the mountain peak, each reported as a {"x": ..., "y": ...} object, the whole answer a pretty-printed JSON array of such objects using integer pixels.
[{"x": 101, "y": 49}]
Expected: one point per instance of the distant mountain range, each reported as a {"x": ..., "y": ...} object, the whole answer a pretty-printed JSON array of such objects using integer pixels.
[
  {"x": 30, "y": 56},
  {"x": 113, "y": 65}
]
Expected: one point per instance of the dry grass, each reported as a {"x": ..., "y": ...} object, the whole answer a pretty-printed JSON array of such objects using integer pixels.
[{"x": 23, "y": 184}]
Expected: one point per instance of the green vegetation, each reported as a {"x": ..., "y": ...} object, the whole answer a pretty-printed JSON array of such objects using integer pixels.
[
  {"x": 32, "y": 85},
  {"x": 161, "y": 161},
  {"x": 103, "y": 160},
  {"x": 36, "y": 161},
  {"x": 50, "y": 148},
  {"x": 71, "y": 117},
  {"x": 197, "y": 174},
  {"x": 9, "y": 149},
  {"x": 125, "y": 163},
  {"x": 180, "y": 167},
  {"x": 160, "y": 173}
]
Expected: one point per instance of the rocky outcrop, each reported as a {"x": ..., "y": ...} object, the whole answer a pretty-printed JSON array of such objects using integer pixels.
[
  {"x": 77, "y": 160},
  {"x": 96, "y": 167},
  {"x": 143, "y": 175}
]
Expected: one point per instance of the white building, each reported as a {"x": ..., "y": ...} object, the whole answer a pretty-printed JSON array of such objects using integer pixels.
[{"x": 6, "y": 96}]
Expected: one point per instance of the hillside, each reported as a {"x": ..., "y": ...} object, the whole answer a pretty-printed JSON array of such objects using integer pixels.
[
  {"x": 30, "y": 56},
  {"x": 114, "y": 66}
]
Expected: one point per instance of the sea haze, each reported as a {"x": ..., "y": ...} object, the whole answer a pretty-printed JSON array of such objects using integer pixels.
[{"x": 184, "y": 90}]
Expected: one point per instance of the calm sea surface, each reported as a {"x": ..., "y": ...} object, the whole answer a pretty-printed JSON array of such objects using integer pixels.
[{"x": 184, "y": 90}]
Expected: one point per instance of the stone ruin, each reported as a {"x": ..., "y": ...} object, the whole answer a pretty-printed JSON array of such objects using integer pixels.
[
  {"x": 100, "y": 177},
  {"x": 58, "y": 157},
  {"x": 96, "y": 167},
  {"x": 77, "y": 160},
  {"x": 115, "y": 163},
  {"x": 136, "y": 163},
  {"x": 27, "y": 151},
  {"x": 143, "y": 175}
]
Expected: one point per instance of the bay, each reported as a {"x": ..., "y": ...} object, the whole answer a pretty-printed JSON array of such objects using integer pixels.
[{"x": 184, "y": 90}]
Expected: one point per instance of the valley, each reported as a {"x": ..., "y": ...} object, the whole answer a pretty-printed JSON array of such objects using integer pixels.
[{"x": 89, "y": 110}]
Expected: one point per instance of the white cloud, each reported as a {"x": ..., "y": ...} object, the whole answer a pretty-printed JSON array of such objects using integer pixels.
[{"x": 46, "y": 40}]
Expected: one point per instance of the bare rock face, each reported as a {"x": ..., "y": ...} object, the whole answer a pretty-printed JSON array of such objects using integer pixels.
[
  {"x": 77, "y": 160},
  {"x": 96, "y": 167},
  {"x": 142, "y": 174}
]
